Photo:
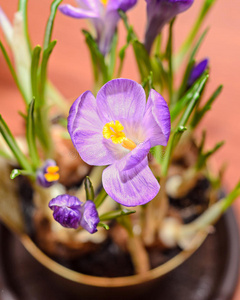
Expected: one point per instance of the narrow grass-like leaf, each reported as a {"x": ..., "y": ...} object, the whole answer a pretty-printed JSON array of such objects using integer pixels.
[
  {"x": 43, "y": 74},
  {"x": 190, "y": 64},
  {"x": 22, "y": 6},
  {"x": 112, "y": 56},
  {"x": 16, "y": 172},
  {"x": 49, "y": 27},
  {"x": 99, "y": 65},
  {"x": 175, "y": 137},
  {"x": 14, "y": 75},
  {"x": 10, "y": 140},
  {"x": 203, "y": 157},
  {"x": 194, "y": 31},
  {"x": 142, "y": 58},
  {"x": 199, "y": 114},
  {"x": 89, "y": 189},
  {"x": 31, "y": 137},
  {"x": 34, "y": 70},
  {"x": 116, "y": 214},
  {"x": 100, "y": 198},
  {"x": 176, "y": 110}
]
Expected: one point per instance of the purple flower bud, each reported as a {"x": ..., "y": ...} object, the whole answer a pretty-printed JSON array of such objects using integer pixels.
[
  {"x": 197, "y": 71},
  {"x": 159, "y": 13},
  {"x": 48, "y": 174},
  {"x": 90, "y": 219},
  {"x": 70, "y": 212}
]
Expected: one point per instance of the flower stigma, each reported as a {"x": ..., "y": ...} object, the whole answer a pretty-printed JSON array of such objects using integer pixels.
[
  {"x": 114, "y": 131},
  {"x": 52, "y": 173}
]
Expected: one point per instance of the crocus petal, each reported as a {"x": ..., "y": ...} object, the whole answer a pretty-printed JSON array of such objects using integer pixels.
[
  {"x": 94, "y": 5},
  {"x": 78, "y": 13},
  {"x": 197, "y": 71},
  {"x": 85, "y": 129},
  {"x": 90, "y": 218},
  {"x": 156, "y": 121},
  {"x": 159, "y": 13},
  {"x": 121, "y": 99},
  {"x": 120, "y": 4},
  {"x": 132, "y": 187},
  {"x": 66, "y": 210},
  {"x": 137, "y": 155}
]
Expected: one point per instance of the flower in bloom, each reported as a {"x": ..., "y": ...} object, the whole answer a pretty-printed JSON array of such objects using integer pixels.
[
  {"x": 103, "y": 14},
  {"x": 70, "y": 212},
  {"x": 159, "y": 13},
  {"x": 197, "y": 71},
  {"x": 118, "y": 128},
  {"x": 48, "y": 174}
]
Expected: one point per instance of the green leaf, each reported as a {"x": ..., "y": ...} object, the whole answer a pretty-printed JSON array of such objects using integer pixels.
[
  {"x": 99, "y": 67},
  {"x": 234, "y": 194},
  {"x": 43, "y": 74},
  {"x": 176, "y": 110},
  {"x": 142, "y": 58},
  {"x": 100, "y": 198},
  {"x": 199, "y": 114},
  {"x": 10, "y": 140},
  {"x": 190, "y": 64},
  {"x": 16, "y": 172},
  {"x": 89, "y": 189},
  {"x": 116, "y": 214},
  {"x": 105, "y": 226},
  {"x": 34, "y": 70},
  {"x": 112, "y": 55},
  {"x": 49, "y": 27},
  {"x": 22, "y": 6},
  {"x": 194, "y": 31},
  {"x": 31, "y": 138},
  {"x": 13, "y": 72},
  {"x": 177, "y": 133}
]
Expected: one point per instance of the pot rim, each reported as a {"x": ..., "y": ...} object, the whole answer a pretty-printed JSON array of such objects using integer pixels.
[{"x": 112, "y": 282}]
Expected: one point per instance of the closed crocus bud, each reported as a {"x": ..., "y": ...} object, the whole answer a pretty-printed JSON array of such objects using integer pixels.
[
  {"x": 197, "y": 71},
  {"x": 159, "y": 13},
  {"x": 70, "y": 212},
  {"x": 48, "y": 174},
  {"x": 90, "y": 218}
]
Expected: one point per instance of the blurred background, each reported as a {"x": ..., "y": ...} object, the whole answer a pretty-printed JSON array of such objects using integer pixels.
[{"x": 70, "y": 70}]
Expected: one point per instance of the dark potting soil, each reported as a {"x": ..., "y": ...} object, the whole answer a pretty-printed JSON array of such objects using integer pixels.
[{"x": 110, "y": 260}]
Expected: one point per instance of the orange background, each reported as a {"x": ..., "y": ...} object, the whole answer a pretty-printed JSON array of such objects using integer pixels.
[{"x": 70, "y": 70}]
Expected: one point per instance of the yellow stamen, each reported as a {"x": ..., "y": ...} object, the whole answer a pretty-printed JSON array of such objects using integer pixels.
[
  {"x": 114, "y": 131},
  {"x": 104, "y": 2},
  {"x": 52, "y": 173}
]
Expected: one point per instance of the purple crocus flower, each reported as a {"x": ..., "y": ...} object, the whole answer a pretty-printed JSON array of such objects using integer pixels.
[
  {"x": 118, "y": 128},
  {"x": 48, "y": 174},
  {"x": 70, "y": 212},
  {"x": 159, "y": 13},
  {"x": 103, "y": 19},
  {"x": 197, "y": 71}
]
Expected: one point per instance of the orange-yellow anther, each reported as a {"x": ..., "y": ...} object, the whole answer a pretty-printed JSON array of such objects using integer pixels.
[
  {"x": 52, "y": 173},
  {"x": 104, "y": 2},
  {"x": 114, "y": 131}
]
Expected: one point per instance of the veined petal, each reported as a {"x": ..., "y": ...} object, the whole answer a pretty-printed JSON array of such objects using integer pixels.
[
  {"x": 157, "y": 121},
  {"x": 78, "y": 13},
  {"x": 121, "y": 99},
  {"x": 85, "y": 129},
  {"x": 94, "y": 149},
  {"x": 137, "y": 155},
  {"x": 83, "y": 115},
  {"x": 132, "y": 187},
  {"x": 94, "y": 5}
]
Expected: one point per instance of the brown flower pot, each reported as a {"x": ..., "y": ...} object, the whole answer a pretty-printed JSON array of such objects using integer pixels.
[{"x": 210, "y": 273}]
